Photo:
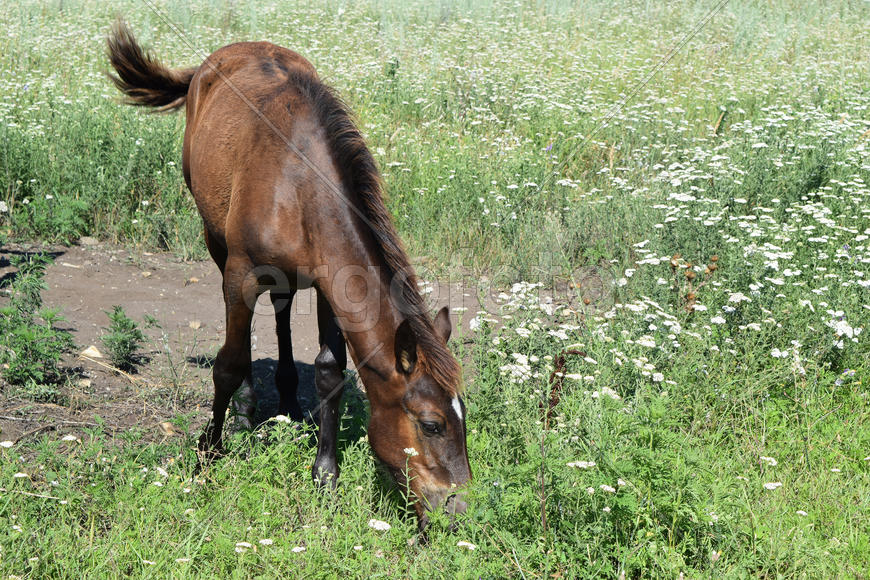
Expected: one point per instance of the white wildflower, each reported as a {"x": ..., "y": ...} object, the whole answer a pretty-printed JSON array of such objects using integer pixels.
[
  {"x": 739, "y": 297},
  {"x": 379, "y": 525},
  {"x": 242, "y": 547}
]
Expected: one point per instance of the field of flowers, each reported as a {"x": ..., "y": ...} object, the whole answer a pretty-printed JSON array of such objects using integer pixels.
[{"x": 675, "y": 380}]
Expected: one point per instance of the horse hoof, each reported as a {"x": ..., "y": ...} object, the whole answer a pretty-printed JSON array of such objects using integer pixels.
[
  {"x": 325, "y": 477},
  {"x": 207, "y": 452},
  {"x": 292, "y": 410}
]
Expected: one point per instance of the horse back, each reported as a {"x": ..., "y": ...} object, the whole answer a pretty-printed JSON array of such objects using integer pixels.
[{"x": 245, "y": 116}]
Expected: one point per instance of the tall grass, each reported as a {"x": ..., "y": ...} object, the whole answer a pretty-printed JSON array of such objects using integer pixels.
[{"x": 460, "y": 101}]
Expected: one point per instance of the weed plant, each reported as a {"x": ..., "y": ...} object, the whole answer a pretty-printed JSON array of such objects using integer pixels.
[
  {"x": 123, "y": 340},
  {"x": 32, "y": 346}
]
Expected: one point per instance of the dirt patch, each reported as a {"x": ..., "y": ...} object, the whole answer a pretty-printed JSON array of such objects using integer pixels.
[{"x": 174, "y": 381}]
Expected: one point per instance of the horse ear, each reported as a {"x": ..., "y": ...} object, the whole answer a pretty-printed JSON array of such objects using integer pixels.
[
  {"x": 442, "y": 324},
  {"x": 406, "y": 348}
]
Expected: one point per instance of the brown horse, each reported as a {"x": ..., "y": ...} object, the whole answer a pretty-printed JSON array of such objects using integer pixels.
[{"x": 290, "y": 197}]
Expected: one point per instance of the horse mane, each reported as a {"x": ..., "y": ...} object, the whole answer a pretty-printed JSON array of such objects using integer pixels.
[{"x": 361, "y": 176}]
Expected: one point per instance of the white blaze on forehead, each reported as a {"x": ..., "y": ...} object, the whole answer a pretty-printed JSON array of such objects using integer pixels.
[{"x": 457, "y": 407}]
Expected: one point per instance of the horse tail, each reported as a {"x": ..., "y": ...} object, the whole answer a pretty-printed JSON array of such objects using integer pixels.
[{"x": 143, "y": 78}]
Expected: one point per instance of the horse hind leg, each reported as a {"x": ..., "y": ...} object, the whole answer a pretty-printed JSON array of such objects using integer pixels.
[
  {"x": 329, "y": 379},
  {"x": 286, "y": 375},
  {"x": 244, "y": 401},
  {"x": 232, "y": 366}
]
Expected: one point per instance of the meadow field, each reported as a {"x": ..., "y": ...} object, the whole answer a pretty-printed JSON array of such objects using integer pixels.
[{"x": 666, "y": 206}]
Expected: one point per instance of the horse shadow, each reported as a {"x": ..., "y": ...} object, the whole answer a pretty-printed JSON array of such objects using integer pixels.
[
  {"x": 354, "y": 405},
  {"x": 263, "y": 373}
]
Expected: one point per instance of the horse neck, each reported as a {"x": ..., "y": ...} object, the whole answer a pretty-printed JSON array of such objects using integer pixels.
[{"x": 356, "y": 283}]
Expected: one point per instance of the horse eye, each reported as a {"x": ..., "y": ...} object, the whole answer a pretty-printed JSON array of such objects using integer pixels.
[{"x": 430, "y": 427}]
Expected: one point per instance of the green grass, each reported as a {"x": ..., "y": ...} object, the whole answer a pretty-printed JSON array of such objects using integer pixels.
[{"x": 718, "y": 227}]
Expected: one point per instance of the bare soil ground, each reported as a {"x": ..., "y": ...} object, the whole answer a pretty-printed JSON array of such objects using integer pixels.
[{"x": 174, "y": 380}]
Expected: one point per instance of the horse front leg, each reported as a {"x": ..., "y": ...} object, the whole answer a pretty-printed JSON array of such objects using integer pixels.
[
  {"x": 329, "y": 379},
  {"x": 286, "y": 375}
]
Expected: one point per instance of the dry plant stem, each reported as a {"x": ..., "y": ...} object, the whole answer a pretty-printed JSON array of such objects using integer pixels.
[
  {"x": 64, "y": 421},
  {"x": 543, "y": 486},
  {"x": 27, "y": 493},
  {"x": 555, "y": 392},
  {"x": 718, "y": 122},
  {"x": 132, "y": 379}
]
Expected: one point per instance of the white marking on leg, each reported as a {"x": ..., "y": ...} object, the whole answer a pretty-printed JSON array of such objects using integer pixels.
[{"x": 457, "y": 407}]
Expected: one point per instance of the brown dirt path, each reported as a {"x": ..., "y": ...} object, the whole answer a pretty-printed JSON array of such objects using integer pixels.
[{"x": 85, "y": 281}]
